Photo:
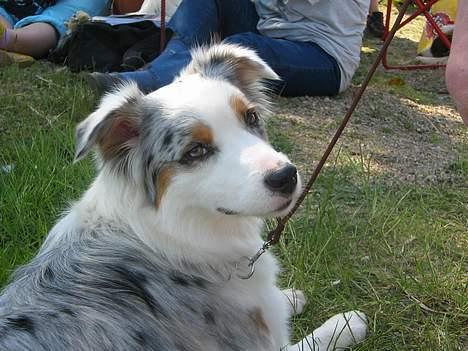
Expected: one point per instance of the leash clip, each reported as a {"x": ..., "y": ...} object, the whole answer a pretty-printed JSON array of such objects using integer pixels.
[{"x": 252, "y": 260}]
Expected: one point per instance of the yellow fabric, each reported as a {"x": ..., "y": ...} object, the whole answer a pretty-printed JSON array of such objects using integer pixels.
[
  {"x": 8, "y": 58},
  {"x": 2, "y": 33},
  {"x": 444, "y": 13}
]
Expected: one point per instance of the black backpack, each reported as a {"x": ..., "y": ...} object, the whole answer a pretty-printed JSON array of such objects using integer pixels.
[{"x": 101, "y": 47}]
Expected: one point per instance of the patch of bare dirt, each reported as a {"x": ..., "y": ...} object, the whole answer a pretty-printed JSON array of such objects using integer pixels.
[{"x": 397, "y": 137}]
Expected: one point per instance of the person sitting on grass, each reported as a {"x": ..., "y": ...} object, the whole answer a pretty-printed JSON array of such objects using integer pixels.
[
  {"x": 313, "y": 45},
  {"x": 33, "y": 27}
]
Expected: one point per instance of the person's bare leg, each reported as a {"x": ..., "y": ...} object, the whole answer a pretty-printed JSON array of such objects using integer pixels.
[
  {"x": 375, "y": 21},
  {"x": 35, "y": 39},
  {"x": 374, "y": 6},
  {"x": 456, "y": 74}
]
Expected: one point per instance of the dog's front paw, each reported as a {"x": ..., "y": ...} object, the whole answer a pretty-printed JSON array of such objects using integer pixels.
[
  {"x": 339, "y": 332},
  {"x": 343, "y": 330},
  {"x": 296, "y": 300}
]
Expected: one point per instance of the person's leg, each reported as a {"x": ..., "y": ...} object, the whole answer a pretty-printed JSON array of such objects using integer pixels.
[
  {"x": 34, "y": 40},
  {"x": 6, "y": 57},
  {"x": 158, "y": 73},
  {"x": 305, "y": 68},
  {"x": 57, "y": 15},
  {"x": 374, "y": 6},
  {"x": 36, "y": 35},
  {"x": 194, "y": 23},
  {"x": 375, "y": 25},
  {"x": 237, "y": 16},
  {"x": 457, "y": 70}
]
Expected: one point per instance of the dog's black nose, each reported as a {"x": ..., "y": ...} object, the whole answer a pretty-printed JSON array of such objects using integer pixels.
[{"x": 283, "y": 180}]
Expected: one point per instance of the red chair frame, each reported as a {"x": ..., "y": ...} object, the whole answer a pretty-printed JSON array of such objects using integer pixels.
[{"x": 423, "y": 8}]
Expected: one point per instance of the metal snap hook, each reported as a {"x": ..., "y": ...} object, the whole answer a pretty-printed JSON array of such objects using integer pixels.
[
  {"x": 252, "y": 260},
  {"x": 250, "y": 273}
]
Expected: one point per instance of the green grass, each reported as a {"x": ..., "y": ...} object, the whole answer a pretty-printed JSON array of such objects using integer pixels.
[
  {"x": 279, "y": 138},
  {"x": 37, "y": 122},
  {"x": 358, "y": 242},
  {"x": 379, "y": 249}
]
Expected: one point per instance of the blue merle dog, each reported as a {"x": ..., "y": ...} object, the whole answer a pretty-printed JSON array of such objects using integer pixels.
[{"x": 151, "y": 257}]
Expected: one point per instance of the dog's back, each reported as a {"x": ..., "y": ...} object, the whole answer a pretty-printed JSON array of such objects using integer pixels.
[{"x": 99, "y": 293}]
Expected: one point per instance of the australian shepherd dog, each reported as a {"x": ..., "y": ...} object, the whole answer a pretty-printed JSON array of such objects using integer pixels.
[{"x": 152, "y": 257}]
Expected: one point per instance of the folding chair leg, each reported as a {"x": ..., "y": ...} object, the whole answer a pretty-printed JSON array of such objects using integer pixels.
[{"x": 423, "y": 8}]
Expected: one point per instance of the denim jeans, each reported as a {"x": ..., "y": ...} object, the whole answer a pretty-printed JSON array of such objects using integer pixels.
[{"x": 304, "y": 67}]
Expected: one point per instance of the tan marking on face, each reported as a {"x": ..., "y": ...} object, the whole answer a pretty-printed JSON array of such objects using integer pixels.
[
  {"x": 203, "y": 134},
  {"x": 163, "y": 180},
  {"x": 257, "y": 317},
  {"x": 240, "y": 106}
]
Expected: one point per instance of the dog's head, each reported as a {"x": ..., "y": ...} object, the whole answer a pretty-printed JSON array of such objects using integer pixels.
[{"x": 199, "y": 142}]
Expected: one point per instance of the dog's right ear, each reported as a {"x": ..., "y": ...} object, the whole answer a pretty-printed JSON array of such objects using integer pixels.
[
  {"x": 239, "y": 65},
  {"x": 114, "y": 127}
]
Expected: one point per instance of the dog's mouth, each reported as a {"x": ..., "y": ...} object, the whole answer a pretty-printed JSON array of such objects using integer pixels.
[
  {"x": 284, "y": 206},
  {"x": 227, "y": 211}
]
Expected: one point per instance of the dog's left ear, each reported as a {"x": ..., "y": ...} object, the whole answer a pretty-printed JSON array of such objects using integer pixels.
[
  {"x": 114, "y": 127},
  {"x": 239, "y": 65}
]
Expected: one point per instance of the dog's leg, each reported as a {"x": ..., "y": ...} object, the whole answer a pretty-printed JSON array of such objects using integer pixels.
[
  {"x": 296, "y": 301},
  {"x": 339, "y": 332}
]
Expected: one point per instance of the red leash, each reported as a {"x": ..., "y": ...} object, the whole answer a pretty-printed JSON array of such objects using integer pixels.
[
  {"x": 162, "y": 40},
  {"x": 274, "y": 235}
]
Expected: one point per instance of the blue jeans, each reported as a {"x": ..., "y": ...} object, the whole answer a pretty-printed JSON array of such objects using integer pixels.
[
  {"x": 56, "y": 15},
  {"x": 304, "y": 67}
]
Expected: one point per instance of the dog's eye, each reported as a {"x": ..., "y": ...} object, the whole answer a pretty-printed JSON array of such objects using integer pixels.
[
  {"x": 251, "y": 118},
  {"x": 196, "y": 152}
]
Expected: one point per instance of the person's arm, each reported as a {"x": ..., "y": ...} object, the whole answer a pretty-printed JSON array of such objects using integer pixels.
[{"x": 456, "y": 74}]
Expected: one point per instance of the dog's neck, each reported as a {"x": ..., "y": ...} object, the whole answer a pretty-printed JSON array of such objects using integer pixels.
[{"x": 181, "y": 233}]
